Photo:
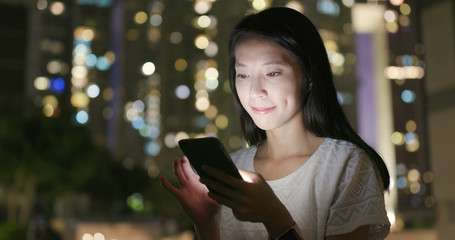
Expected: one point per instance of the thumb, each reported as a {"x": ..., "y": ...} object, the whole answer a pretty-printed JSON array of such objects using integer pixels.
[{"x": 250, "y": 177}]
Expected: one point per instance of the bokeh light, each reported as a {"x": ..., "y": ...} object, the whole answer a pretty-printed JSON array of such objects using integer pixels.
[
  {"x": 397, "y": 138},
  {"x": 204, "y": 21},
  {"x": 260, "y": 4},
  {"x": 93, "y": 91},
  {"x": 201, "y": 41},
  {"x": 408, "y": 96},
  {"x": 82, "y": 117},
  {"x": 396, "y": 2},
  {"x": 80, "y": 100},
  {"x": 156, "y": 20},
  {"x": 140, "y": 17},
  {"x": 57, "y": 85},
  {"x": 148, "y": 68},
  {"x": 202, "y": 6},
  {"x": 41, "y": 4},
  {"x": 176, "y": 37},
  {"x": 41, "y": 83},
  {"x": 180, "y": 65},
  {"x": 405, "y": 9},
  {"x": 182, "y": 92},
  {"x": 57, "y": 8}
]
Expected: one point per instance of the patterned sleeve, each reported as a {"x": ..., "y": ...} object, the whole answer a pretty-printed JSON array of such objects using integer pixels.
[{"x": 358, "y": 200}]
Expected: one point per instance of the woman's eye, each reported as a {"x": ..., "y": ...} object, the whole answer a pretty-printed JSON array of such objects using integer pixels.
[
  {"x": 273, "y": 74},
  {"x": 241, "y": 75}
]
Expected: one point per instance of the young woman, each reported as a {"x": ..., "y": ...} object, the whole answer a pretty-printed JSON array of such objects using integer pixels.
[{"x": 307, "y": 174}]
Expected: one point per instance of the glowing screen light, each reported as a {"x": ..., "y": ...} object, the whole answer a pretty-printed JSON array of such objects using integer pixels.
[{"x": 57, "y": 85}]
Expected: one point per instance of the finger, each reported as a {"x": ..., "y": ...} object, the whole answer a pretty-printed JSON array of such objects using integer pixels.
[
  {"x": 223, "y": 177},
  {"x": 178, "y": 171},
  {"x": 188, "y": 170},
  {"x": 220, "y": 188},
  {"x": 165, "y": 183},
  {"x": 221, "y": 199}
]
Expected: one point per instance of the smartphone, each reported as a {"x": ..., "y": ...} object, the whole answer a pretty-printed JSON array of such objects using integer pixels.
[{"x": 208, "y": 151}]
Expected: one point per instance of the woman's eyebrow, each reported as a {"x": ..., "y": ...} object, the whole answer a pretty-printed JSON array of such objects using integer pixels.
[{"x": 273, "y": 62}]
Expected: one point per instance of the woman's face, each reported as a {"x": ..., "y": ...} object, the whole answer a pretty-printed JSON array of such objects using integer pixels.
[{"x": 268, "y": 79}]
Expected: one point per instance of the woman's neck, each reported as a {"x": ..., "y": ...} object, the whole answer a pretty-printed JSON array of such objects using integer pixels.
[{"x": 283, "y": 143}]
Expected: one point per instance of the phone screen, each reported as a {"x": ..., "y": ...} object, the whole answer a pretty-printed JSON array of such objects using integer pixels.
[{"x": 208, "y": 151}]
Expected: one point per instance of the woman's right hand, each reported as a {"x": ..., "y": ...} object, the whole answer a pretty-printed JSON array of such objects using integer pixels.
[{"x": 192, "y": 195}]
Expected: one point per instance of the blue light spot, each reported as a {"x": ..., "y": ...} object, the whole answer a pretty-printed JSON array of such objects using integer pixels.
[
  {"x": 99, "y": 3},
  {"x": 154, "y": 132},
  {"x": 138, "y": 123},
  {"x": 406, "y": 60},
  {"x": 402, "y": 182},
  {"x": 201, "y": 121},
  {"x": 103, "y": 3},
  {"x": 408, "y": 96},
  {"x": 410, "y": 137},
  {"x": 82, "y": 42},
  {"x": 328, "y": 8},
  {"x": 152, "y": 148},
  {"x": 82, "y": 117},
  {"x": 91, "y": 60},
  {"x": 103, "y": 63},
  {"x": 57, "y": 85}
]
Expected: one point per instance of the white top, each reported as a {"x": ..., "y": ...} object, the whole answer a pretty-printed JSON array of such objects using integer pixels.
[{"x": 334, "y": 192}]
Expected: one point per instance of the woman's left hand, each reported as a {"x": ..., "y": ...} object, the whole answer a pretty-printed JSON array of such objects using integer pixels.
[{"x": 250, "y": 200}]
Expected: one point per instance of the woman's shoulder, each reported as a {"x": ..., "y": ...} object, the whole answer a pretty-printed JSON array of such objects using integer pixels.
[
  {"x": 341, "y": 147},
  {"x": 243, "y": 158},
  {"x": 243, "y": 153}
]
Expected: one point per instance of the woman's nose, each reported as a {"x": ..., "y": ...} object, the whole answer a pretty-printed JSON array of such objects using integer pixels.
[{"x": 257, "y": 88}]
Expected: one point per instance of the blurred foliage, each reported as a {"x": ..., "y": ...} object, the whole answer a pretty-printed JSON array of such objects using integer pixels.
[
  {"x": 12, "y": 231},
  {"x": 50, "y": 167},
  {"x": 44, "y": 158}
]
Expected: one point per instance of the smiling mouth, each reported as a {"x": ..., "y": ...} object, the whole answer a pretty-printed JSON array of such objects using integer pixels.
[{"x": 262, "y": 111}]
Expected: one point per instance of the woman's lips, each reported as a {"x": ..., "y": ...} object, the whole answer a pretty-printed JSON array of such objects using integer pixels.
[{"x": 261, "y": 110}]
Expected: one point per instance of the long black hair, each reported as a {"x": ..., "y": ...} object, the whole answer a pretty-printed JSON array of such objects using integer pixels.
[{"x": 322, "y": 113}]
